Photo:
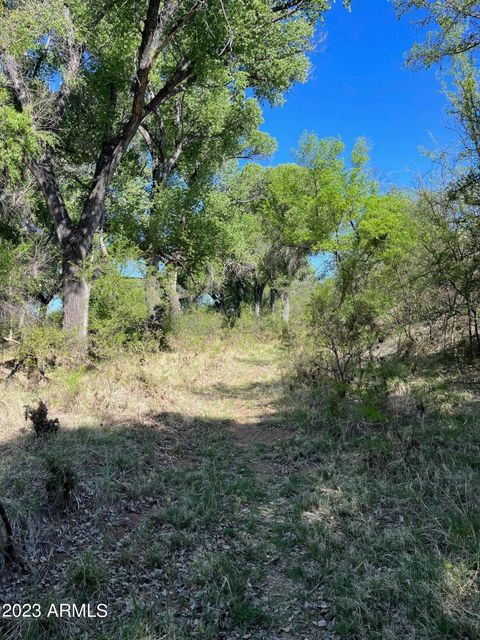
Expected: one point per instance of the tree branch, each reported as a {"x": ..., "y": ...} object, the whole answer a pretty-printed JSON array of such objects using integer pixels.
[
  {"x": 45, "y": 176},
  {"x": 74, "y": 62},
  {"x": 17, "y": 82}
]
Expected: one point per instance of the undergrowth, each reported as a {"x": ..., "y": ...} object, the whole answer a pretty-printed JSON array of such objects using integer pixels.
[{"x": 216, "y": 496}]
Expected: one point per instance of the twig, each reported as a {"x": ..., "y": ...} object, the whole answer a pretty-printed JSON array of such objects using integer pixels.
[{"x": 9, "y": 551}]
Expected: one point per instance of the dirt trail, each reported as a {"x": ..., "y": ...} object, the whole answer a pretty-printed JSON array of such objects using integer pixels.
[
  {"x": 245, "y": 392},
  {"x": 194, "y": 496}
]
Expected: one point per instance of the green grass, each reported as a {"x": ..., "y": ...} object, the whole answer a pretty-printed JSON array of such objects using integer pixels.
[
  {"x": 86, "y": 576},
  {"x": 214, "y": 506},
  {"x": 225, "y": 581},
  {"x": 394, "y": 535}
]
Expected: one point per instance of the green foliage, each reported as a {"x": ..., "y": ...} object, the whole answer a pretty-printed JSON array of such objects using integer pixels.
[
  {"x": 368, "y": 235},
  {"x": 227, "y": 583},
  {"x": 71, "y": 68},
  {"x": 455, "y": 28},
  {"x": 43, "y": 346},
  {"x": 86, "y": 576},
  {"x": 311, "y": 201},
  {"x": 176, "y": 212},
  {"x": 118, "y": 312},
  {"x": 18, "y": 139},
  {"x": 346, "y": 331},
  {"x": 28, "y": 268}
]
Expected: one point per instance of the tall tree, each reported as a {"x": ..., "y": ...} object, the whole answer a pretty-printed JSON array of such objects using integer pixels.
[
  {"x": 235, "y": 273},
  {"x": 111, "y": 66},
  {"x": 184, "y": 147}
]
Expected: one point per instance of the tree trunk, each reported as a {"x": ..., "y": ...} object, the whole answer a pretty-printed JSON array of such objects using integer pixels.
[
  {"x": 473, "y": 330},
  {"x": 476, "y": 332},
  {"x": 218, "y": 301},
  {"x": 273, "y": 299},
  {"x": 8, "y": 548},
  {"x": 152, "y": 294},
  {"x": 175, "y": 306},
  {"x": 285, "y": 308},
  {"x": 258, "y": 294},
  {"x": 44, "y": 300},
  {"x": 76, "y": 298}
]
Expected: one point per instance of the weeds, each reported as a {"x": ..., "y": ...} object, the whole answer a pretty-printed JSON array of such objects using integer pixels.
[
  {"x": 86, "y": 576},
  {"x": 60, "y": 485},
  {"x": 41, "y": 424},
  {"x": 209, "y": 504},
  {"x": 391, "y": 523},
  {"x": 226, "y": 581}
]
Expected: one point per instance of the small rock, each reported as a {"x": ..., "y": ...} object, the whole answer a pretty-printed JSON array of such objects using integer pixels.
[{"x": 321, "y": 624}]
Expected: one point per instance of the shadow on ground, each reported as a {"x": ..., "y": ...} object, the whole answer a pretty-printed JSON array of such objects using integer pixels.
[{"x": 198, "y": 527}]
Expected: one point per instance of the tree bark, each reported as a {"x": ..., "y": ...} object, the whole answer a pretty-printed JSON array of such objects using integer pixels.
[
  {"x": 152, "y": 294},
  {"x": 76, "y": 297},
  {"x": 175, "y": 306},
  {"x": 154, "y": 298},
  {"x": 476, "y": 333},
  {"x": 259, "y": 288},
  {"x": 273, "y": 299}
]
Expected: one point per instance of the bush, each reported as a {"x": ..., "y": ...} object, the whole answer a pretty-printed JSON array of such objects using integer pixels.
[
  {"x": 43, "y": 346},
  {"x": 345, "y": 333},
  {"x": 41, "y": 424},
  {"x": 118, "y": 313}
]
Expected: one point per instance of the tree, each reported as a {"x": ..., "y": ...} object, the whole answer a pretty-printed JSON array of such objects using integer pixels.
[
  {"x": 283, "y": 266},
  {"x": 85, "y": 63},
  {"x": 324, "y": 204},
  {"x": 451, "y": 262},
  {"x": 308, "y": 203},
  {"x": 352, "y": 310},
  {"x": 252, "y": 254},
  {"x": 456, "y": 28},
  {"x": 450, "y": 209},
  {"x": 284, "y": 211},
  {"x": 235, "y": 271},
  {"x": 28, "y": 258},
  {"x": 170, "y": 213}
]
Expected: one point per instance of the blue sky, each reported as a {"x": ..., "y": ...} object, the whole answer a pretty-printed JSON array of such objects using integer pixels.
[{"x": 359, "y": 86}]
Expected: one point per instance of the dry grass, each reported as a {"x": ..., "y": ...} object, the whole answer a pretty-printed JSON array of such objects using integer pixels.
[
  {"x": 131, "y": 389},
  {"x": 212, "y": 500}
]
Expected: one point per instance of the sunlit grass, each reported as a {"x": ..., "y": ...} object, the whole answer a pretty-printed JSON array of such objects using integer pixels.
[{"x": 208, "y": 481}]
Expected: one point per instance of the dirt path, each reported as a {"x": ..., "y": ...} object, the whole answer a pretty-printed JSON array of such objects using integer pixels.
[
  {"x": 180, "y": 524},
  {"x": 246, "y": 392}
]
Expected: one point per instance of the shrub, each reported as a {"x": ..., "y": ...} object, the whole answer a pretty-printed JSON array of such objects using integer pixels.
[
  {"x": 44, "y": 346},
  {"x": 118, "y": 313},
  {"x": 41, "y": 424},
  {"x": 345, "y": 334},
  {"x": 60, "y": 485}
]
